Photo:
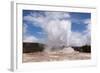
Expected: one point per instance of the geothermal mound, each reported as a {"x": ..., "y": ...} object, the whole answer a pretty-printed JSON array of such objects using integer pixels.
[{"x": 64, "y": 50}]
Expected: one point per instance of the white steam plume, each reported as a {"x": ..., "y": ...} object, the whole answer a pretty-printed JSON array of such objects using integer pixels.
[{"x": 57, "y": 26}]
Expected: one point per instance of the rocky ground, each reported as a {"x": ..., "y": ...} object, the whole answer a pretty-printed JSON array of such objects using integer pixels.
[{"x": 54, "y": 56}]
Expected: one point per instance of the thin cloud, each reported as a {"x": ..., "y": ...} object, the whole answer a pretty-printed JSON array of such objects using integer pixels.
[
  {"x": 30, "y": 39},
  {"x": 81, "y": 38}
]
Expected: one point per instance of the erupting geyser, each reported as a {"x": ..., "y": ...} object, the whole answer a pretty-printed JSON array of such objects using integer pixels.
[{"x": 58, "y": 33}]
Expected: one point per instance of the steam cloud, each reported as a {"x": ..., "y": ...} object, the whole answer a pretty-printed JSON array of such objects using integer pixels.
[{"x": 57, "y": 27}]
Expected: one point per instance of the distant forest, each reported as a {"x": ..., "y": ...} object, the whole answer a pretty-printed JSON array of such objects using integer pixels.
[
  {"x": 37, "y": 47},
  {"x": 86, "y": 48}
]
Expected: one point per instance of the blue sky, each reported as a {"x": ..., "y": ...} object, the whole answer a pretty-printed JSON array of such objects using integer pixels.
[
  {"x": 34, "y": 26},
  {"x": 77, "y": 21},
  {"x": 33, "y": 30}
]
